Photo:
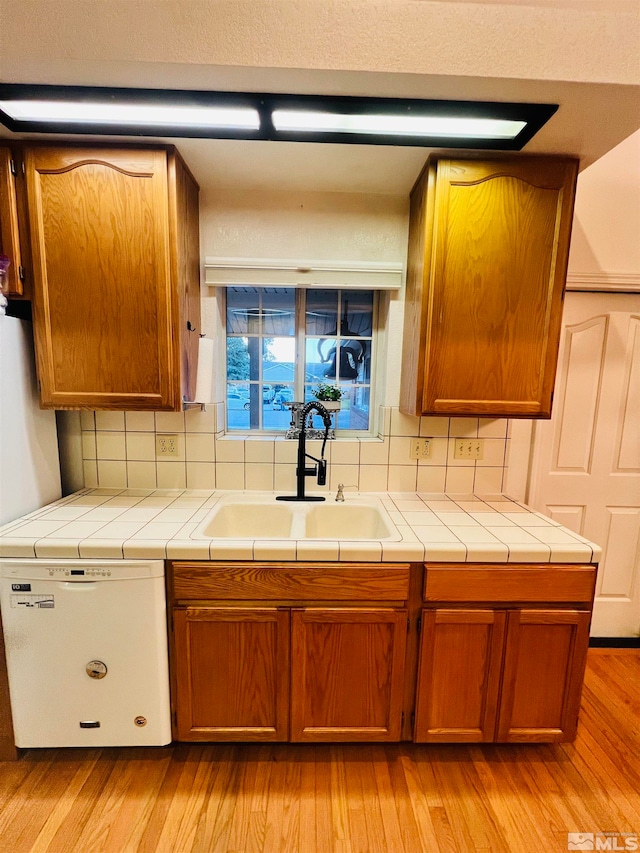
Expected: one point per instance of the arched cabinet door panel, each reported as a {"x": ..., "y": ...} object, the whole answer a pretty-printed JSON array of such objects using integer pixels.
[
  {"x": 109, "y": 230},
  {"x": 488, "y": 252}
]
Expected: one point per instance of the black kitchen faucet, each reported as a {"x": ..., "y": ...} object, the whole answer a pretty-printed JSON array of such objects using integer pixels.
[{"x": 302, "y": 470}]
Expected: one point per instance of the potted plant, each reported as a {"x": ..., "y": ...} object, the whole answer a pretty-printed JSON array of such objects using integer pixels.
[{"x": 328, "y": 395}]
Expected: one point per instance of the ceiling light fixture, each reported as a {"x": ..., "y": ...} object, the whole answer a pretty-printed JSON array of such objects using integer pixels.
[
  {"x": 248, "y": 115},
  {"x": 397, "y": 125},
  {"x": 131, "y": 115}
]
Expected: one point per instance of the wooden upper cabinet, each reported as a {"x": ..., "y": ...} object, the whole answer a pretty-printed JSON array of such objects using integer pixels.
[
  {"x": 116, "y": 276},
  {"x": 13, "y": 225},
  {"x": 488, "y": 251}
]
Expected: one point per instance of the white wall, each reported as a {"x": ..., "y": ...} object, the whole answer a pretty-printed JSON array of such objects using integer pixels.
[
  {"x": 310, "y": 226},
  {"x": 606, "y": 226}
]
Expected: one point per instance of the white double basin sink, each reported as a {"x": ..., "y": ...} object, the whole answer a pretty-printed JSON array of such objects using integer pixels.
[{"x": 260, "y": 516}]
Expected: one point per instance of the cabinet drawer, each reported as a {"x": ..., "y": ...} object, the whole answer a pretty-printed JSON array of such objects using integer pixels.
[
  {"x": 544, "y": 583},
  {"x": 299, "y": 582}
]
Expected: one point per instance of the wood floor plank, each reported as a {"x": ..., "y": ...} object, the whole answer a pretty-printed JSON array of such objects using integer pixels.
[
  {"x": 386, "y": 800},
  {"x": 307, "y": 837},
  {"x": 52, "y": 836},
  {"x": 218, "y": 803},
  {"x": 345, "y": 798},
  {"x": 411, "y": 831},
  {"x": 25, "y": 815},
  {"x": 465, "y": 806},
  {"x": 149, "y": 842},
  {"x": 339, "y": 812},
  {"x": 145, "y": 777},
  {"x": 275, "y": 804},
  {"x": 324, "y": 826},
  {"x": 291, "y": 800},
  {"x": 356, "y": 806},
  {"x": 418, "y": 802},
  {"x": 185, "y": 808}
]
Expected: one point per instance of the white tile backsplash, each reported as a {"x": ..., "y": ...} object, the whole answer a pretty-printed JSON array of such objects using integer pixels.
[
  {"x": 109, "y": 421},
  {"x": 140, "y": 422},
  {"x": 170, "y": 421},
  {"x": 110, "y": 445},
  {"x": 119, "y": 451},
  {"x": 112, "y": 473}
]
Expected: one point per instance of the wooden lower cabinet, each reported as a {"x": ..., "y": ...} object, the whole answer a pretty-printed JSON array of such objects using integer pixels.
[
  {"x": 310, "y": 652},
  {"x": 347, "y": 674},
  {"x": 500, "y": 675},
  {"x": 544, "y": 662},
  {"x": 459, "y": 675},
  {"x": 233, "y": 668},
  {"x": 232, "y": 673}
]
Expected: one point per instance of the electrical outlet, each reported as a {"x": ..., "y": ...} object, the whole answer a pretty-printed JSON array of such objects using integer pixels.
[
  {"x": 468, "y": 448},
  {"x": 420, "y": 448},
  {"x": 166, "y": 445}
]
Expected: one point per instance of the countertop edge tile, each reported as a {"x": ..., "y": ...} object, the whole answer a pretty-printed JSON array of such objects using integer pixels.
[
  {"x": 197, "y": 503},
  {"x": 107, "y": 549}
]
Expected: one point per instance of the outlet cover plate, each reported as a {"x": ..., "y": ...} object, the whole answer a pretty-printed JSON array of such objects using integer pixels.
[
  {"x": 420, "y": 448},
  {"x": 166, "y": 445}
]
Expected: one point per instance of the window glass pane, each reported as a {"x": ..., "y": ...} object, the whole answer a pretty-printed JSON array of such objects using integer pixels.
[
  {"x": 354, "y": 408},
  {"x": 321, "y": 312},
  {"x": 278, "y": 359},
  {"x": 278, "y": 311},
  {"x": 276, "y": 414},
  {"x": 237, "y": 404},
  {"x": 243, "y": 314},
  {"x": 237, "y": 358},
  {"x": 319, "y": 359},
  {"x": 356, "y": 316},
  {"x": 278, "y": 375},
  {"x": 329, "y": 361}
]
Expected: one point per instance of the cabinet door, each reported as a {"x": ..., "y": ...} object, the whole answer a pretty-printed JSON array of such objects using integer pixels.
[
  {"x": 232, "y": 674},
  {"x": 103, "y": 313},
  {"x": 488, "y": 254},
  {"x": 347, "y": 670},
  {"x": 9, "y": 225},
  {"x": 545, "y": 658},
  {"x": 459, "y": 675}
]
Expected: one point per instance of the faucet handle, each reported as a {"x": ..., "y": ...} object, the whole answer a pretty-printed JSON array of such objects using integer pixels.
[{"x": 340, "y": 494}]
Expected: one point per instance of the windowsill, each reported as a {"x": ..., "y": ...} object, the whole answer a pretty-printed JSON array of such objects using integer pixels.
[{"x": 249, "y": 436}]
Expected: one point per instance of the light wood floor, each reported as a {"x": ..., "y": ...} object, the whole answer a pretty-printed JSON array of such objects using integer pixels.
[{"x": 339, "y": 799}]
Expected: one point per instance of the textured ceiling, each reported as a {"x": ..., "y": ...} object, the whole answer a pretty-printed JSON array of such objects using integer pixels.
[{"x": 582, "y": 54}]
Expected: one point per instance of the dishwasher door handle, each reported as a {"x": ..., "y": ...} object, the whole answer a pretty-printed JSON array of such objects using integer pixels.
[{"x": 78, "y": 586}]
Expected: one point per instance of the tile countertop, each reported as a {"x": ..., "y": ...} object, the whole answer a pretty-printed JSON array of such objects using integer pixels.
[{"x": 159, "y": 523}]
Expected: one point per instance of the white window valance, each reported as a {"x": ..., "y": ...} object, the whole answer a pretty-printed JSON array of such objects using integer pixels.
[{"x": 272, "y": 272}]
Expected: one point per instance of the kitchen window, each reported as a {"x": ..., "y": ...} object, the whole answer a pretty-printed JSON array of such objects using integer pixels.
[{"x": 283, "y": 341}]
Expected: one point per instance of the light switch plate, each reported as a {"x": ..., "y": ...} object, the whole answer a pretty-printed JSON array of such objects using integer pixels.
[{"x": 468, "y": 448}]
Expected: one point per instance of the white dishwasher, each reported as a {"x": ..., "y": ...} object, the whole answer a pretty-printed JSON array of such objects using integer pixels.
[{"x": 86, "y": 646}]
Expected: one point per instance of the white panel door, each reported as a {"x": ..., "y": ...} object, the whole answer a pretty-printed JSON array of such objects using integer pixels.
[{"x": 586, "y": 460}]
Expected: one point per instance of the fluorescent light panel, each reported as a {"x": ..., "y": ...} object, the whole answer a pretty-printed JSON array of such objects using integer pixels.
[
  {"x": 132, "y": 115},
  {"x": 254, "y": 115},
  {"x": 396, "y": 125}
]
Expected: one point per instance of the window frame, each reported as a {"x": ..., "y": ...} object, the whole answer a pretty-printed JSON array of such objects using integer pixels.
[{"x": 300, "y": 337}]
